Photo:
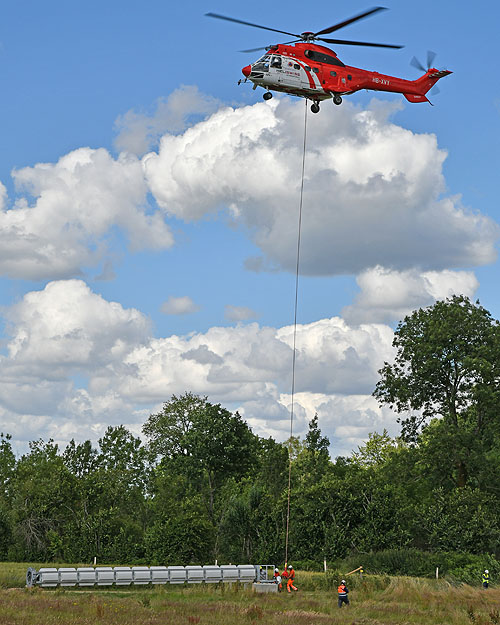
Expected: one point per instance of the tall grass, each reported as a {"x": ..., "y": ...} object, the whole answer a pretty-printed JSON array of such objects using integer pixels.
[{"x": 375, "y": 600}]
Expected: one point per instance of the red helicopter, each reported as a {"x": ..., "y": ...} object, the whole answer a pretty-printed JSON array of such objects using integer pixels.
[{"x": 312, "y": 71}]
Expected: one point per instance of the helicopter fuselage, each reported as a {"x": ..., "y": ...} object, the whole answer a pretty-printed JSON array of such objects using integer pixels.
[{"x": 315, "y": 72}]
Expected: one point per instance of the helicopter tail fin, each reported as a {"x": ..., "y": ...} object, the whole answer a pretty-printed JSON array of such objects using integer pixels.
[
  {"x": 430, "y": 78},
  {"x": 425, "y": 83}
]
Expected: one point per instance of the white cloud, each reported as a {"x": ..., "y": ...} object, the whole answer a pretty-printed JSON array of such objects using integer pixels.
[
  {"x": 3, "y": 196},
  {"x": 345, "y": 419},
  {"x": 139, "y": 132},
  {"x": 239, "y": 313},
  {"x": 76, "y": 363},
  {"x": 183, "y": 305},
  {"x": 388, "y": 295},
  {"x": 373, "y": 190},
  {"x": 374, "y": 193},
  {"x": 67, "y": 329},
  {"x": 77, "y": 203}
]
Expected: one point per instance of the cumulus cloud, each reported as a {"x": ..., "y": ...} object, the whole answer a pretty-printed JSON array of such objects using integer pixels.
[
  {"x": 349, "y": 420},
  {"x": 183, "y": 305},
  {"x": 76, "y": 363},
  {"x": 3, "y": 196},
  {"x": 67, "y": 329},
  {"x": 388, "y": 295},
  {"x": 239, "y": 313},
  {"x": 76, "y": 204},
  {"x": 139, "y": 132},
  {"x": 374, "y": 191},
  {"x": 248, "y": 368}
]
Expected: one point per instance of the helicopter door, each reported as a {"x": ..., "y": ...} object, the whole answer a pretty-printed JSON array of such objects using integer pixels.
[
  {"x": 308, "y": 79},
  {"x": 290, "y": 74}
]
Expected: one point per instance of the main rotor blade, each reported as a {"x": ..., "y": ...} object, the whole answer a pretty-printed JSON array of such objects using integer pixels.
[
  {"x": 286, "y": 43},
  {"x": 340, "y": 25},
  {"x": 254, "y": 49},
  {"x": 232, "y": 19},
  {"x": 359, "y": 43}
]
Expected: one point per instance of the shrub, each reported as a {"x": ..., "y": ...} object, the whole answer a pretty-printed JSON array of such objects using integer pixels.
[{"x": 459, "y": 567}]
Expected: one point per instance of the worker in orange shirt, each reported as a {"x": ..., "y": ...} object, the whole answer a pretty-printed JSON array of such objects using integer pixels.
[
  {"x": 291, "y": 578},
  {"x": 342, "y": 592}
]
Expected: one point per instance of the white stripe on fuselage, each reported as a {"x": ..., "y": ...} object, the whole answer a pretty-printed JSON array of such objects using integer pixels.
[{"x": 315, "y": 77}]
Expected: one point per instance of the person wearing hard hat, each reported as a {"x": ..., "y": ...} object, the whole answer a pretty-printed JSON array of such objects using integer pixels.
[
  {"x": 342, "y": 594},
  {"x": 291, "y": 578},
  {"x": 277, "y": 579},
  {"x": 486, "y": 579}
]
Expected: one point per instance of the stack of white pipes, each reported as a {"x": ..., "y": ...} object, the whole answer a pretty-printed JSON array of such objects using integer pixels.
[{"x": 139, "y": 575}]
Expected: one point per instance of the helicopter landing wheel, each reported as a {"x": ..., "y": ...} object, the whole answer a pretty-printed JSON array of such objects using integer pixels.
[
  {"x": 315, "y": 107},
  {"x": 268, "y": 95},
  {"x": 337, "y": 100}
]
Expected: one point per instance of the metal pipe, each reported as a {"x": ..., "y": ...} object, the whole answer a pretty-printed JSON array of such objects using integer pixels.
[{"x": 47, "y": 577}]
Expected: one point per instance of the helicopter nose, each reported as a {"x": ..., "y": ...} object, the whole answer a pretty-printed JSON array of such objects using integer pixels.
[{"x": 246, "y": 70}]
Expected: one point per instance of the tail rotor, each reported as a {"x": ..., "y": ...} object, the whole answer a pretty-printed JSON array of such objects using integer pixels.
[
  {"x": 418, "y": 65},
  {"x": 430, "y": 60}
]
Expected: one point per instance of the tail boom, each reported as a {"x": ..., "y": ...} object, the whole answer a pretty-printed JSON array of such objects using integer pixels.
[{"x": 413, "y": 90}]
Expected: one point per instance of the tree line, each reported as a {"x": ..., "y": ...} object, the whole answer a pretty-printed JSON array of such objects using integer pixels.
[{"x": 202, "y": 486}]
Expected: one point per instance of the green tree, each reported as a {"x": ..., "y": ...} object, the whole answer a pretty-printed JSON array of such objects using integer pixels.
[
  {"x": 463, "y": 520},
  {"x": 7, "y": 471},
  {"x": 44, "y": 502},
  {"x": 81, "y": 459},
  {"x": 246, "y": 527},
  {"x": 7, "y": 465},
  {"x": 315, "y": 441},
  {"x": 312, "y": 461},
  {"x": 207, "y": 441},
  {"x": 447, "y": 364},
  {"x": 179, "y": 530},
  {"x": 376, "y": 451}
]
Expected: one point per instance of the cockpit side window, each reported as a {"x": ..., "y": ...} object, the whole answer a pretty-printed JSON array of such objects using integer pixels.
[{"x": 276, "y": 62}]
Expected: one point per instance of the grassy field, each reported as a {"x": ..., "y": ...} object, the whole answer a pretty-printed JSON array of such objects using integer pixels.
[{"x": 374, "y": 601}]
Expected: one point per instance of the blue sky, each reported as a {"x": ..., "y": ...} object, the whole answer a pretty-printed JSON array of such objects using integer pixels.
[{"x": 145, "y": 284}]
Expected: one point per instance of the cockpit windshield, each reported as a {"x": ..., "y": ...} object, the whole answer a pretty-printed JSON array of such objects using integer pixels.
[{"x": 262, "y": 65}]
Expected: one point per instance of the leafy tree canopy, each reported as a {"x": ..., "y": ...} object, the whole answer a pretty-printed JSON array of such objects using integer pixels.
[{"x": 447, "y": 363}]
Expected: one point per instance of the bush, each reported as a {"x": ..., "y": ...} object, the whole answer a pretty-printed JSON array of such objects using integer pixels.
[
  {"x": 307, "y": 565},
  {"x": 459, "y": 567}
]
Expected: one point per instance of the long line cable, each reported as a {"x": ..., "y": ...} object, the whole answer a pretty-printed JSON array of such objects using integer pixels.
[{"x": 297, "y": 266}]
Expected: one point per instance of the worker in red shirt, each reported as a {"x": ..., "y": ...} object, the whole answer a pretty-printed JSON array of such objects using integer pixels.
[
  {"x": 291, "y": 578},
  {"x": 284, "y": 575},
  {"x": 277, "y": 579}
]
